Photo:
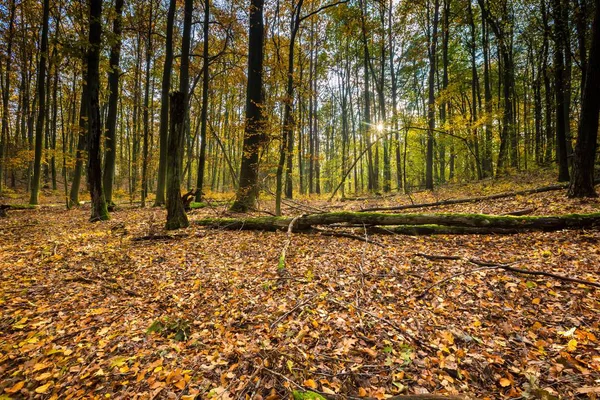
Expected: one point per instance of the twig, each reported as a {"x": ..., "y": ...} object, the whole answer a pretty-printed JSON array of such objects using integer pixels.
[
  {"x": 278, "y": 320},
  {"x": 449, "y": 278},
  {"x": 281, "y": 265},
  {"x": 508, "y": 267}
]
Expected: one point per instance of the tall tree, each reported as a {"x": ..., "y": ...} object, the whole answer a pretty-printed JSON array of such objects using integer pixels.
[
  {"x": 582, "y": 179},
  {"x": 176, "y": 217},
  {"x": 433, "y": 34},
  {"x": 110, "y": 149},
  {"x": 204, "y": 111},
  {"x": 6, "y": 92},
  {"x": 164, "y": 106},
  {"x": 94, "y": 170},
  {"x": 560, "y": 82},
  {"x": 247, "y": 193},
  {"x": 41, "y": 115}
]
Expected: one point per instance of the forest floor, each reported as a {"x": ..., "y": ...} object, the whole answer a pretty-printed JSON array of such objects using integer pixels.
[{"x": 87, "y": 310}]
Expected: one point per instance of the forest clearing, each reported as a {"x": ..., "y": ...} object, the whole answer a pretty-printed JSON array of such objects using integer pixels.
[{"x": 121, "y": 309}]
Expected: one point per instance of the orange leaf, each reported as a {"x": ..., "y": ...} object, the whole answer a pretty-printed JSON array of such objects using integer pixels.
[
  {"x": 17, "y": 386},
  {"x": 310, "y": 383},
  {"x": 504, "y": 382},
  {"x": 362, "y": 392}
]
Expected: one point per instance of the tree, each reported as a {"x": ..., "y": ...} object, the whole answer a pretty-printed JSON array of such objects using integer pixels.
[
  {"x": 111, "y": 119},
  {"x": 176, "y": 216},
  {"x": 247, "y": 193},
  {"x": 164, "y": 107},
  {"x": 582, "y": 179},
  {"x": 39, "y": 126},
  {"x": 433, "y": 33},
  {"x": 204, "y": 112},
  {"x": 94, "y": 170}
]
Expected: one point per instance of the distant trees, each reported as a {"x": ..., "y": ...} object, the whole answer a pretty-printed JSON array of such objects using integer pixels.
[{"x": 366, "y": 97}]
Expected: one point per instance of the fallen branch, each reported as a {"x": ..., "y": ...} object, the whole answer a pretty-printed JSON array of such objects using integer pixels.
[
  {"x": 472, "y": 199},
  {"x": 278, "y": 320},
  {"x": 492, "y": 265}
]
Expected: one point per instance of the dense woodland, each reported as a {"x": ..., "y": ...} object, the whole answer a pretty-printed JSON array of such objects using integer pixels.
[{"x": 312, "y": 97}]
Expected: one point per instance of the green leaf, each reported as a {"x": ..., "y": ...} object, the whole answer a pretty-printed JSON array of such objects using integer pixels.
[{"x": 308, "y": 395}]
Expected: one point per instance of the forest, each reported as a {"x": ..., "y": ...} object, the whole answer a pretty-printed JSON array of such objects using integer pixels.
[{"x": 299, "y": 199}]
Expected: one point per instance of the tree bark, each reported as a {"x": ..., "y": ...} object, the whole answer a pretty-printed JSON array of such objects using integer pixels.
[
  {"x": 176, "y": 216},
  {"x": 582, "y": 180},
  {"x": 247, "y": 193},
  {"x": 204, "y": 112},
  {"x": 164, "y": 107},
  {"x": 39, "y": 126},
  {"x": 94, "y": 169},
  {"x": 433, "y": 33},
  {"x": 110, "y": 146},
  {"x": 482, "y": 222}
]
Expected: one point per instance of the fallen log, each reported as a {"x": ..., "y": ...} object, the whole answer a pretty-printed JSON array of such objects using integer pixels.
[
  {"x": 404, "y": 223},
  {"x": 472, "y": 199}
]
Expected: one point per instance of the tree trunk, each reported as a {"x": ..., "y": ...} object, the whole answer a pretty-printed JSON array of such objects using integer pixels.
[
  {"x": 247, "y": 193},
  {"x": 176, "y": 216},
  {"x": 560, "y": 91},
  {"x": 204, "y": 112},
  {"x": 99, "y": 210},
  {"x": 39, "y": 126},
  {"x": 110, "y": 146},
  {"x": 146, "y": 111},
  {"x": 491, "y": 223},
  {"x": 164, "y": 107},
  {"x": 433, "y": 33},
  {"x": 582, "y": 180},
  {"x": 4, "y": 139}
]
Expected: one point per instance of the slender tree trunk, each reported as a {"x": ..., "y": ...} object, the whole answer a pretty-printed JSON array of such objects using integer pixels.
[
  {"x": 248, "y": 190},
  {"x": 4, "y": 138},
  {"x": 582, "y": 180},
  {"x": 560, "y": 91},
  {"x": 433, "y": 33},
  {"x": 176, "y": 216},
  {"x": 164, "y": 107},
  {"x": 204, "y": 112},
  {"x": 39, "y": 127},
  {"x": 110, "y": 146},
  {"x": 146, "y": 110},
  {"x": 99, "y": 210}
]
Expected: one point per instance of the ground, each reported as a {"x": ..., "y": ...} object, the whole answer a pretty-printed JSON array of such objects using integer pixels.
[{"x": 89, "y": 311}]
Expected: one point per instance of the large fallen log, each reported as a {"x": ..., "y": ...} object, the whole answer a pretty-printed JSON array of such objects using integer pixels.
[
  {"x": 472, "y": 199},
  {"x": 414, "y": 223}
]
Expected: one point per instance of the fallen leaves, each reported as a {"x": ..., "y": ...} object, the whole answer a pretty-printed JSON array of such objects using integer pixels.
[{"x": 223, "y": 314}]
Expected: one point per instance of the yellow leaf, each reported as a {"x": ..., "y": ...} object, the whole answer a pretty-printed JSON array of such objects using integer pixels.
[
  {"x": 43, "y": 376},
  {"x": 327, "y": 390},
  {"x": 536, "y": 301},
  {"x": 43, "y": 389},
  {"x": 362, "y": 392},
  {"x": 118, "y": 361},
  {"x": 40, "y": 366},
  {"x": 572, "y": 345},
  {"x": 504, "y": 382},
  {"x": 17, "y": 386},
  {"x": 310, "y": 383},
  {"x": 188, "y": 397}
]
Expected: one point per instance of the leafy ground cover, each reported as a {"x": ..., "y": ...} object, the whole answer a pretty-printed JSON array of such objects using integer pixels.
[{"x": 90, "y": 310}]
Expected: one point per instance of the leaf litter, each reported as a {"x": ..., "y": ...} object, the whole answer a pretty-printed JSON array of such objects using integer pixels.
[{"x": 87, "y": 311}]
